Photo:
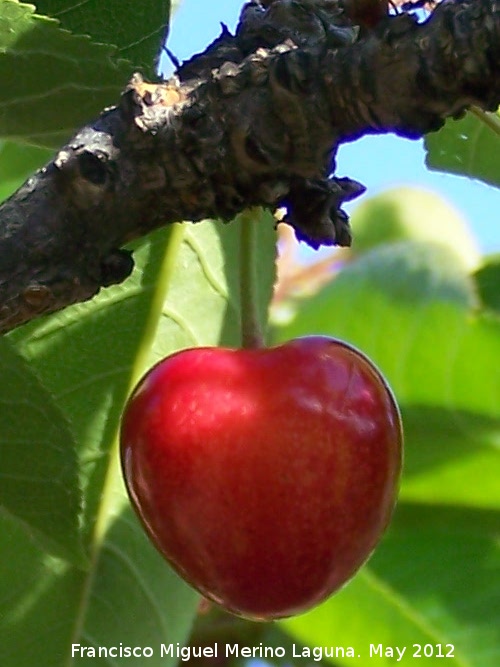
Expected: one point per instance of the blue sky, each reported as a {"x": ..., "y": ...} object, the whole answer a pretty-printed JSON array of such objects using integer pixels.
[{"x": 379, "y": 162}]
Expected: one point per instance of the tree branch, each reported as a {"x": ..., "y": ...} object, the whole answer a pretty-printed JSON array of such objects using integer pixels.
[{"x": 255, "y": 120}]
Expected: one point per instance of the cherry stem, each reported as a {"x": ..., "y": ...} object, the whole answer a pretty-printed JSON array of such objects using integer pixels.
[{"x": 251, "y": 329}]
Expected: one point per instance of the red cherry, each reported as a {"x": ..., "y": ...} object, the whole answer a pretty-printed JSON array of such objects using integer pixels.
[{"x": 266, "y": 477}]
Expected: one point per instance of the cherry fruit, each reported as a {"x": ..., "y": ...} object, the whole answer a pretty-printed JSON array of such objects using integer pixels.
[{"x": 266, "y": 477}]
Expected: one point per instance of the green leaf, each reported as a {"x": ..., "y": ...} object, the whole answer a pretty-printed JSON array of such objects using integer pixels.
[
  {"x": 90, "y": 355},
  {"x": 148, "y": 602},
  {"x": 38, "y": 468},
  {"x": 212, "y": 295},
  {"x": 468, "y": 147},
  {"x": 39, "y": 596},
  {"x": 365, "y": 615},
  {"x": 56, "y": 80},
  {"x": 432, "y": 583},
  {"x": 488, "y": 282},
  {"x": 137, "y": 29},
  {"x": 182, "y": 293},
  {"x": 17, "y": 163},
  {"x": 412, "y": 214},
  {"x": 452, "y": 423},
  {"x": 129, "y": 597},
  {"x": 452, "y": 576}
]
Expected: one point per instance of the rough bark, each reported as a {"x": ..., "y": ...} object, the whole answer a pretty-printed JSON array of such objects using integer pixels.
[{"x": 255, "y": 120}]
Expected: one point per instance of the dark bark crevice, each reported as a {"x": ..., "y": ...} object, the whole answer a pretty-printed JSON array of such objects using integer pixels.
[{"x": 254, "y": 121}]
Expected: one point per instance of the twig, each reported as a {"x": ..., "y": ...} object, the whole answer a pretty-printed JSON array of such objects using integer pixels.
[{"x": 255, "y": 120}]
